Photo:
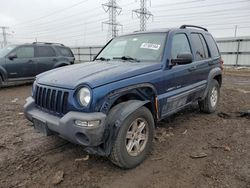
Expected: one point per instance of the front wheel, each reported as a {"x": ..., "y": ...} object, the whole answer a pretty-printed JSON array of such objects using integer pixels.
[
  {"x": 134, "y": 139},
  {"x": 210, "y": 103},
  {"x": 1, "y": 81}
]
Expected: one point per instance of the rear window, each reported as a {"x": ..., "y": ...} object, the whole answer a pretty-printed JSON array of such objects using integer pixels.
[
  {"x": 65, "y": 52},
  {"x": 45, "y": 51},
  {"x": 212, "y": 46}
]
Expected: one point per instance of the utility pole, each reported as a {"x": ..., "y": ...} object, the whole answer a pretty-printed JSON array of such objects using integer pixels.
[
  {"x": 143, "y": 14},
  {"x": 113, "y": 9},
  {"x": 235, "y": 30},
  {"x": 4, "y": 35}
]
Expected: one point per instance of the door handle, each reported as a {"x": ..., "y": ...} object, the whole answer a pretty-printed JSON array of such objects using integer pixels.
[
  {"x": 55, "y": 59},
  {"x": 192, "y": 68}
]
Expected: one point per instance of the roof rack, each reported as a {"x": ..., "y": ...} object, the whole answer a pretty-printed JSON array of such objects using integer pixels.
[
  {"x": 185, "y": 26},
  {"x": 47, "y": 43}
]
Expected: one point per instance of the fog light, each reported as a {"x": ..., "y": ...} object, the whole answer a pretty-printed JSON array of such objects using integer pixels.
[{"x": 82, "y": 123}]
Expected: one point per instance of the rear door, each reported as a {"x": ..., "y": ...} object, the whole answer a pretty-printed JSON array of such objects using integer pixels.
[
  {"x": 202, "y": 59},
  {"x": 24, "y": 65},
  {"x": 46, "y": 58}
]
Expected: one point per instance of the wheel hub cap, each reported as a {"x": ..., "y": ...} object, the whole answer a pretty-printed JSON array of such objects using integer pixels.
[
  {"x": 214, "y": 97},
  {"x": 137, "y": 137}
]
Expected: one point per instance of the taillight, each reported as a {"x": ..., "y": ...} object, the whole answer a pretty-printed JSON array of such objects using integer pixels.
[{"x": 221, "y": 64}]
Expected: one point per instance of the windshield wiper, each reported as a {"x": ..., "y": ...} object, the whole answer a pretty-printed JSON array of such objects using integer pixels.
[
  {"x": 103, "y": 59},
  {"x": 127, "y": 58}
]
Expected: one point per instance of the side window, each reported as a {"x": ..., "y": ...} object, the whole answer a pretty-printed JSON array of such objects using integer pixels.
[
  {"x": 25, "y": 52},
  {"x": 204, "y": 44},
  {"x": 212, "y": 46},
  {"x": 45, "y": 51},
  {"x": 180, "y": 45},
  {"x": 200, "y": 47},
  {"x": 65, "y": 52}
]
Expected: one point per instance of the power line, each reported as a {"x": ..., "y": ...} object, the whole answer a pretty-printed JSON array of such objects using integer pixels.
[
  {"x": 63, "y": 28},
  {"x": 143, "y": 14},
  {"x": 204, "y": 12},
  {"x": 53, "y": 13},
  {"x": 179, "y": 3},
  {"x": 58, "y": 20},
  {"x": 113, "y": 10},
  {"x": 202, "y": 6},
  {"x": 212, "y": 15}
]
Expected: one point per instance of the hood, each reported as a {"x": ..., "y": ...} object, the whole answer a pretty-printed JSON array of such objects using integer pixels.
[{"x": 94, "y": 73}]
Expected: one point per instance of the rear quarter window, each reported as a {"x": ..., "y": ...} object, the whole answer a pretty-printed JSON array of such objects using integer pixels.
[
  {"x": 66, "y": 52},
  {"x": 214, "y": 51}
]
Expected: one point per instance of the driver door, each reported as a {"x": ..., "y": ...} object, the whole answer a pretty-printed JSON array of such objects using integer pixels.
[
  {"x": 179, "y": 92},
  {"x": 23, "y": 65}
]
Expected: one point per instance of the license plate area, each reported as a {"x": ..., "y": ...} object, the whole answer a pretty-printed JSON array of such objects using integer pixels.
[{"x": 41, "y": 126}]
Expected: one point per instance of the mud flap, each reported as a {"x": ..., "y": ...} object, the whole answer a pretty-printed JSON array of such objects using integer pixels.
[{"x": 115, "y": 118}]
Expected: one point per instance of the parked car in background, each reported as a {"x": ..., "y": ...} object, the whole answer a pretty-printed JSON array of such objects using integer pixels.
[
  {"x": 24, "y": 62},
  {"x": 112, "y": 105}
]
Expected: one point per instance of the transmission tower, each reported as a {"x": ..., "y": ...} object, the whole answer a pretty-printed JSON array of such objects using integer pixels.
[
  {"x": 113, "y": 9},
  {"x": 4, "y": 33},
  {"x": 143, "y": 14}
]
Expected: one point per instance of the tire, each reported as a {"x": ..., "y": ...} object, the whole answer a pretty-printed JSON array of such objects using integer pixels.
[
  {"x": 210, "y": 103},
  {"x": 1, "y": 81},
  {"x": 120, "y": 155}
]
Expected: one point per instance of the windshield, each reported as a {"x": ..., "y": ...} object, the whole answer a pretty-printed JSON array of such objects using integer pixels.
[
  {"x": 6, "y": 50},
  {"x": 139, "y": 47}
]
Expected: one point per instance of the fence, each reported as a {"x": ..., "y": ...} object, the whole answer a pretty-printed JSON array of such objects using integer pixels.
[
  {"x": 85, "y": 53},
  {"x": 234, "y": 51}
]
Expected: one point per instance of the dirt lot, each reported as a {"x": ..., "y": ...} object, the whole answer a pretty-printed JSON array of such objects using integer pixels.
[{"x": 28, "y": 159}]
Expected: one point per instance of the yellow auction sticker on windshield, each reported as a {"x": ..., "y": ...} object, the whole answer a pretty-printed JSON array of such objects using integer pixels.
[{"x": 150, "y": 46}]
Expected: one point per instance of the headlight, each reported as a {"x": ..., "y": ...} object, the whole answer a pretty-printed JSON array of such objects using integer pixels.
[{"x": 83, "y": 96}]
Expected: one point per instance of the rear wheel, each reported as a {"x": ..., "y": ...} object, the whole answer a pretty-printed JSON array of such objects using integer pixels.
[
  {"x": 210, "y": 103},
  {"x": 134, "y": 139}
]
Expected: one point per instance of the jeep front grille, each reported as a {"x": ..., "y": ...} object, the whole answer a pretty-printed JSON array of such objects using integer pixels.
[{"x": 51, "y": 99}]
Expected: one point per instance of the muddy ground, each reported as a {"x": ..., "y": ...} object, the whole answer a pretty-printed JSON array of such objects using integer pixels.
[{"x": 28, "y": 159}]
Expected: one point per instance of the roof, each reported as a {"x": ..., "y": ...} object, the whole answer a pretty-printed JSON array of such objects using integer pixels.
[{"x": 163, "y": 30}]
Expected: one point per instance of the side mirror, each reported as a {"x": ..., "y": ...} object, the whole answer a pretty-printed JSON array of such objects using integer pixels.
[
  {"x": 12, "y": 56},
  {"x": 182, "y": 59}
]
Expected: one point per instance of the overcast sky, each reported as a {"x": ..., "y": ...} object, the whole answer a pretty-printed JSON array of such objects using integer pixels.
[{"x": 79, "y": 22}]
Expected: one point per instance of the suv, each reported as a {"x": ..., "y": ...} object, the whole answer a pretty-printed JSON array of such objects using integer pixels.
[
  {"x": 24, "y": 62},
  {"x": 112, "y": 105}
]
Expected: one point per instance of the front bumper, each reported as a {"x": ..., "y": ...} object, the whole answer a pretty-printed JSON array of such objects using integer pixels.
[{"x": 65, "y": 126}]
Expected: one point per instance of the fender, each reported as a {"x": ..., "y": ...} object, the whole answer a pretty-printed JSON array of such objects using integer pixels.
[
  {"x": 126, "y": 109},
  {"x": 214, "y": 72},
  {"x": 113, "y": 123},
  {"x": 3, "y": 73},
  {"x": 61, "y": 63},
  {"x": 114, "y": 95}
]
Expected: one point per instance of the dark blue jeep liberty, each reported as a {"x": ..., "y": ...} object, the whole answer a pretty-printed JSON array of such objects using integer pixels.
[{"x": 112, "y": 105}]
